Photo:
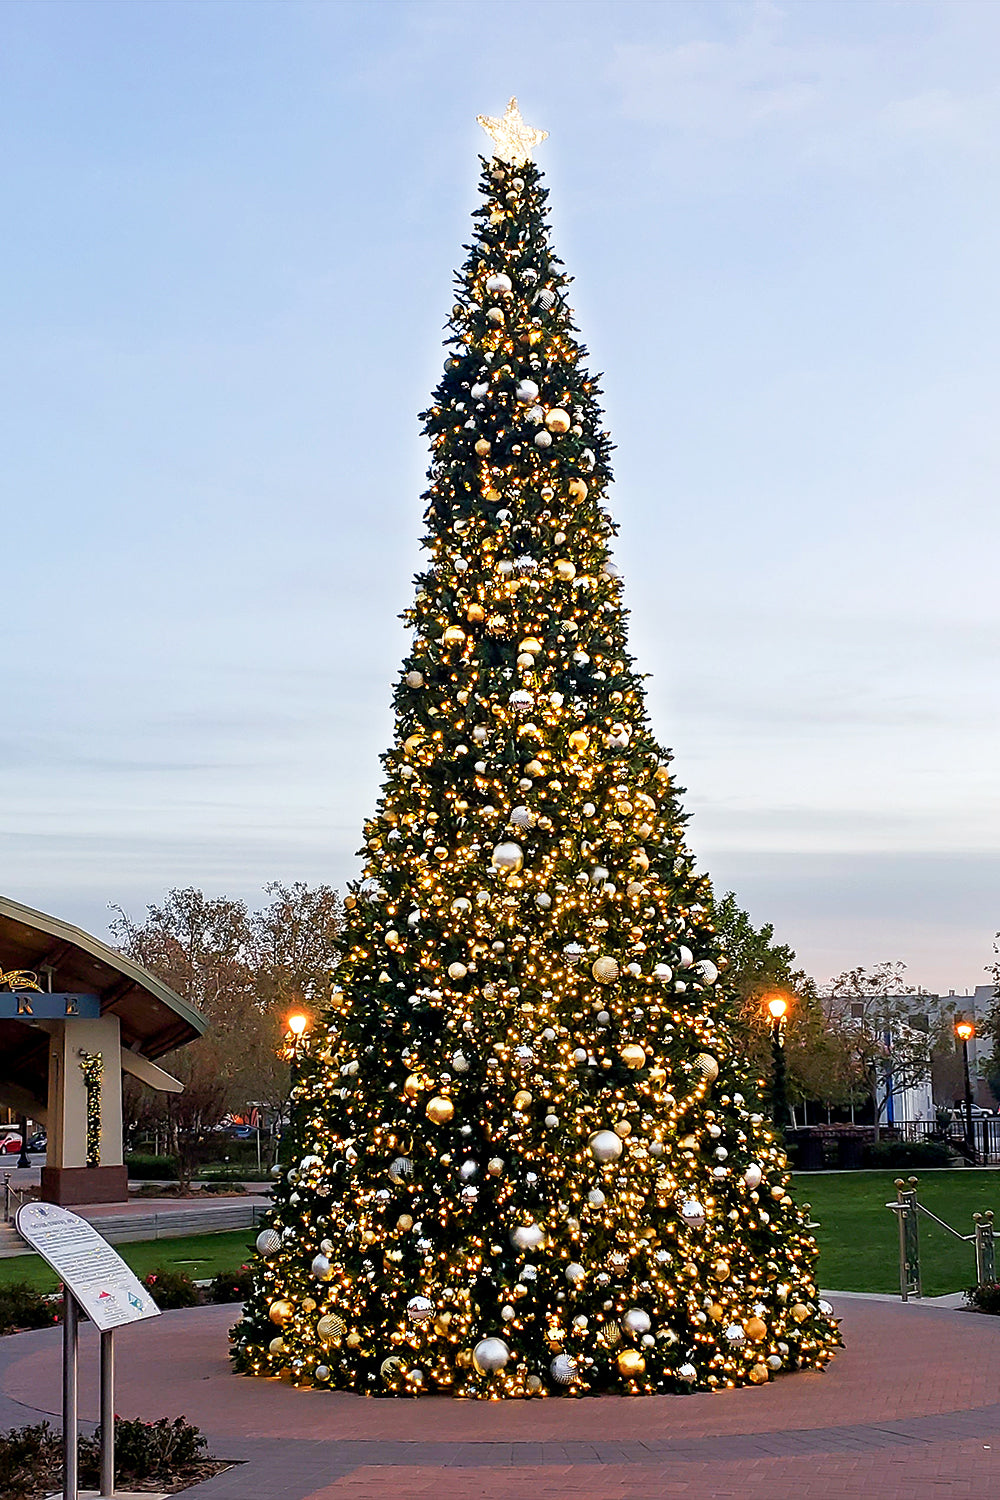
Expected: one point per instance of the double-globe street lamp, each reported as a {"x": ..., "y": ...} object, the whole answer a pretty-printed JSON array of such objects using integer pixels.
[
  {"x": 776, "y": 1007},
  {"x": 965, "y": 1031}
]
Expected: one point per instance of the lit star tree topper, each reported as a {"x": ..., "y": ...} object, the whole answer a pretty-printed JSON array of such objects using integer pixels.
[
  {"x": 512, "y": 139},
  {"x": 525, "y": 1158}
]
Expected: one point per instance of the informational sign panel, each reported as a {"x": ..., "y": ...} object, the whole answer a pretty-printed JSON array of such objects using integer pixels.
[{"x": 104, "y": 1286}]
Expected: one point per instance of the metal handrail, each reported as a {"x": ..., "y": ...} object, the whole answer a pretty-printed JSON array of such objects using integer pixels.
[
  {"x": 907, "y": 1211},
  {"x": 9, "y": 1191}
]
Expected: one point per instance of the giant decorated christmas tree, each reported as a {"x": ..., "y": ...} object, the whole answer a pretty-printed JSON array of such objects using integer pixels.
[{"x": 524, "y": 1158}]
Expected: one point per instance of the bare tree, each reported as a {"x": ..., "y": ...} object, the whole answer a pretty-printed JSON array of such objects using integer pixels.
[
  {"x": 243, "y": 969},
  {"x": 885, "y": 1035}
]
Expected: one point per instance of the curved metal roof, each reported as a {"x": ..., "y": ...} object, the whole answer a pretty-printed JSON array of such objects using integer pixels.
[{"x": 153, "y": 1019}]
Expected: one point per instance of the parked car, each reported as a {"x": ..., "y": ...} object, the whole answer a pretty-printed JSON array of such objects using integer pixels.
[
  {"x": 38, "y": 1142},
  {"x": 10, "y": 1145}
]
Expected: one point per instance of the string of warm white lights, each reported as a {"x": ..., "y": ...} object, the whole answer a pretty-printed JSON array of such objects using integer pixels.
[
  {"x": 92, "y": 1068},
  {"x": 532, "y": 1164}
]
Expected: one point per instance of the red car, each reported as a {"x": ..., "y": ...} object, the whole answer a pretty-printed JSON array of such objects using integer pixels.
[{"x": 10, "y": 1145}]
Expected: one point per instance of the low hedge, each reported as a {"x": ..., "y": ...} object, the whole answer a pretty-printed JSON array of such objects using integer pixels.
[
  {"x": 985, "y": 1298},
  {"x": 903, "y": 1154},
  {"x": 31, "y": 1458},
  {"x": 158, "y": 1168},
  {"x": 22, "y": 1306},
  {"x": 231, "y": 1286},
  {"x": 171, "y": 1289}
]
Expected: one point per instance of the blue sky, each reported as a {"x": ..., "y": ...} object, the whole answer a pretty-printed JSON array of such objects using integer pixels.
[{"x": 229, "y": 236}]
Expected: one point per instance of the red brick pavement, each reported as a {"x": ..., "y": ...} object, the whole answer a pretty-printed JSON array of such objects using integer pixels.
[
  {"x": 962, "y": 1471},
  {"x": 911, "y": 1407}
]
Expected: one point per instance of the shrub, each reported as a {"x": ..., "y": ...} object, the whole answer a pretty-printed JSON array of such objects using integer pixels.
[
  {"x": 146, "y": 1450},
  {"x": 231, "y": 1286},
  {"x": 985, "y": 1298},
  {"x": 171, "y": 1289},
  {"x": 28, "y": 1455},
  {"x": 229, "y": 1187},
  {"x": 159, "y": 1168},
  {"x": 903, "y": 1154},
  {"x": 21, "y": 1306}
]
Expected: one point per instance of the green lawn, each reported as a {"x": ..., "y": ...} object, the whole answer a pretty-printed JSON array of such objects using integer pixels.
[
  {"x": 200, "y": 1255},
  {"x": 857, "y": 1235},
  {"x": 859, "y": 1240}
]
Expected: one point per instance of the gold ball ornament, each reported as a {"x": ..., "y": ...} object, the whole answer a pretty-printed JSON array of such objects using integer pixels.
[
  {"x": 453, "y": 636},
  {"x": 280, "y": 1311},
  {"x": 475, "y": 614},
  {"x": 799, "y": 1312},
  {"x": 579, "y": 741},
  {"x": 565, "y": 570},
  {"x": 558, "y": 420},
  {"x": 413, "y": 744},
  {"x": 276, "y": 1346},
  {"x": 412, "y": 1085},
  {"x": 330, "y": 1327},
  {"x": 758, "y": 1375},
  {"x": 720, "y": 1270},
  {"x": 631, "y": 1362},
  {"x": 756, "y": 1329},
  {"x": 605, "y": 969},
  {"x": 482, "y": 447},
  {"x": 633, "y": 1055},
  {"x": 439, "y": 1110},
  {"x": 522, "y": 1099},
  {"x": 509, "y": 858},
  {"x": 578, "y": 489},
  {"x": 707, "y": 1066}
]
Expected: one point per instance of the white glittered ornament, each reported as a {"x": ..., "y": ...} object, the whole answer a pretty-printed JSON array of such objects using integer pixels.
[
  {"x": 490, "y": 1355},
  {"x": 605, "y": 1146}
]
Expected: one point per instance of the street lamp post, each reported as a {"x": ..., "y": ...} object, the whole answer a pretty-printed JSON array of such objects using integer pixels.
[
  {"x": 297, "y": 1025},
  {"x": 965, "y": 1031},
  {"x": 777, "y": 1010},
  {"x": 292, "y": 1049},
  {"x": 24, "y": 1160}
]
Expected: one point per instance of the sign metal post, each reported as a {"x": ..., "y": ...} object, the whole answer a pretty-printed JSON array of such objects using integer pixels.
[
  {"x": 71, "y": 1470},
  {"x": 107, "y": 1412},
  {"x": 99, "y": 1283}
]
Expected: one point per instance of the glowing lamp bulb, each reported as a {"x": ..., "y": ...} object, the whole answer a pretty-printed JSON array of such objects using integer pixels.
[
  {"x": 297, "y": 1023},
  {"x": 777, "y": 1007}
]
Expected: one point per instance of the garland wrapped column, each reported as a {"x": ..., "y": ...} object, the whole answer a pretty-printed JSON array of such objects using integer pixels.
[{"x": 92, "y": 1068}]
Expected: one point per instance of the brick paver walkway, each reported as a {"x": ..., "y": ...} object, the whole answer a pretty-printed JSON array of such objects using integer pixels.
[{"x": 910, "y": 1408}]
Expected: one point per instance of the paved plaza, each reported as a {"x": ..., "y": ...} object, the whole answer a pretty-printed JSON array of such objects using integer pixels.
[{"x": 910, "y": 1408}]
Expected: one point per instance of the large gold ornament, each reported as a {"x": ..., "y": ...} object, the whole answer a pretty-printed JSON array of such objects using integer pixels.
[
  {"x": 631, "y": 1362},
  {"x": 330, "y": 1327},
  {"x": 439, "y": 1110},
  {"x": 512, "y": 139},
  {"x": 633, "y": 1055},
  {"x": 605, "y": 969},
  {"x": 707, "y": 1066},
  {"x": 280, "y": 1311}
]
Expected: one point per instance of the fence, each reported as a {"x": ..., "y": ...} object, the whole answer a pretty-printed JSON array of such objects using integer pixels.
[
  {"x": 985, "y": 1140},
  {"x": 908, "y": 1211}
]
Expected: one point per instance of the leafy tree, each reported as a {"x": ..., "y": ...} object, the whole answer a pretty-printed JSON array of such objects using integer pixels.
[
  {"x": 243, "y": 968},
  {"x": 818, "y": 1059},
  {"x": 886, "y": 1037}
]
